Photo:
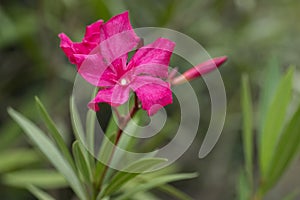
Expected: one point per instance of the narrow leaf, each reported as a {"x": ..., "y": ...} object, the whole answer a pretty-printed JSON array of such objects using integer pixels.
[
  {"x": 271, "y": 78},
  {"x": 80, "y": 135},
  {"x": 39, "y": 194},
  {"x": 47, "y": 179},
  {"x": 57, "y": 136},
  {"x": 14, "y": 159},
  {"x": 247, "y": 128},
  {"x": 105, "y": 150},
  {"x": 103, "y": 158},
  {"x": 90, "y": 130},
  {"x": 127, "y": 141},
  {"x": 91, "y": 119},
  {"x": 287, "y": 149},
  {"x": 156, "y": 182},
  {"x": 136, "y": 168},
  {"x": 76, "y": 122},
  {"x": 174, "y": 192},
  {"x": 50, "y": 151},
  {"x": 244, "y": 190},
  {"x": 81, "y": 162},
  {"x": 145, "y": 195},
  {"x": 274, "y": 121}
]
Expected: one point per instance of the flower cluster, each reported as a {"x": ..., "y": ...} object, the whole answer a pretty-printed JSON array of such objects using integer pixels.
[{"x": 102, "y": 60}]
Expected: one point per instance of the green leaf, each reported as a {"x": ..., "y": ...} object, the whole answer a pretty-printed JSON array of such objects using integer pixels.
[
  {"x": 274, "y": 121},
  {"x": 82, "y": 163},
  {"x": 127, "y": 141},
  {"x": 57, "y": 136},
  {"x": 107, "y": 147},
  {"x": 47, "y": 179},
  {"x": 14, "y": 159},
  {"x": 145, "y": 195},
  {"x": 174, "y": 192},
  {"x": 90, "y": 129},
  {"x": 50, "y": 151},
  {"x": 80, "y": 135},
  {"x": 76, "y": 122},
  {"x": 112, "y": 127},
  {"x": 103, "y": 157},
  {"x": 271, "y": 78},
  {"x": 156, "y": 182},
  {"x": 247, "y": 128},
  {"x": 105, "y": 150},
  {"x": 287, "y": 149},
  {"x": 124, "y": 176},
  {"x": 244, "y": 190},
  {"x": 39, "y": 194}
]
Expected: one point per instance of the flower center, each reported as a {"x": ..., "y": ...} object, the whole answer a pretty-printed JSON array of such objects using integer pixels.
[{"x": 123, "y": 81}]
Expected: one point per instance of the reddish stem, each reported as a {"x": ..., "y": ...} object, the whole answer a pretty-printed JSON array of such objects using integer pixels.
[{"x": 122, "y": 126}]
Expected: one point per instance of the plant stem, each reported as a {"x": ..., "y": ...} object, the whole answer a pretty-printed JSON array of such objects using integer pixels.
[{"x": 123, "y": 123}]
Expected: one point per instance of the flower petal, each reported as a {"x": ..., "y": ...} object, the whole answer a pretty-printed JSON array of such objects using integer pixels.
[
  {"x": 101, "y": 57},
  {"x": 117, "y": 24},
  {"x": 90, "y": 41},
  {"x": 155, "y": 55},
  {"x": 153, "y": 93},
  {"x": 114, "y": 96},
  {"x": 92, "y": 32},
  {"x": 95, "y": 69},
  {"x": 156, "y": 70},
  {"x": 117, "y": 37}
]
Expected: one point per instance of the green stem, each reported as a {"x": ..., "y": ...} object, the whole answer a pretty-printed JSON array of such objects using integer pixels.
[{"x": 123, "y": 123}]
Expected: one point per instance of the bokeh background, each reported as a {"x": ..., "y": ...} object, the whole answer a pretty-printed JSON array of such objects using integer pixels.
[{"x": 251, "y": 33}]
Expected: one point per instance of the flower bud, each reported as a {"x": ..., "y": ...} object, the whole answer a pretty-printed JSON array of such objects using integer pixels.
[{"x": 199, "y": 70}]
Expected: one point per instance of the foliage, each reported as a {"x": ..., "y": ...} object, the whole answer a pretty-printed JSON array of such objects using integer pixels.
[
  {"x": 278, "y": 137},
  {"x": 78, "y": 169}
]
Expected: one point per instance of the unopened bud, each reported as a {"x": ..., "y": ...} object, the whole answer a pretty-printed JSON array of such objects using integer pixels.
[{"x": 199, "y": 70}]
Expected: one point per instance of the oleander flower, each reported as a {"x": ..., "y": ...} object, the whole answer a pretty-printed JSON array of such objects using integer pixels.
[{"x": 101, "y": 59}]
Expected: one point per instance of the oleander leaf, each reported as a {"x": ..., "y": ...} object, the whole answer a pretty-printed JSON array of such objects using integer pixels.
[
  {"x": 81, "y": 161},
  {"x": 76, "y": 122},
  {"x": 130, "y": 172},
  {"x": 247, "y": 128},
  {"x": 271, "y": 79},
  {"x": 156, "y": 182},
  {"x": 53, "y": 130},
  {"x": 47, "y": 179},
  {"x": 173, "y": 191},
  {"x": 39, "y": 194},
  {"x": 50, "y": 151},
  {"x": 274, "y": 122},
  {"x": 18, "y": 158},
  {"x": 287, "y": 149}
]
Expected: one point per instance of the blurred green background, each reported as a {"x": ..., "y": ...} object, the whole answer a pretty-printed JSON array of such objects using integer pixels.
[{"x": 251, "y": 33}]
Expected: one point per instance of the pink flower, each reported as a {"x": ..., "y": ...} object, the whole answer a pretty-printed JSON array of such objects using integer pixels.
[
  {"x": 101, "y": 59},
  {"x": 199, "y": 70}
]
